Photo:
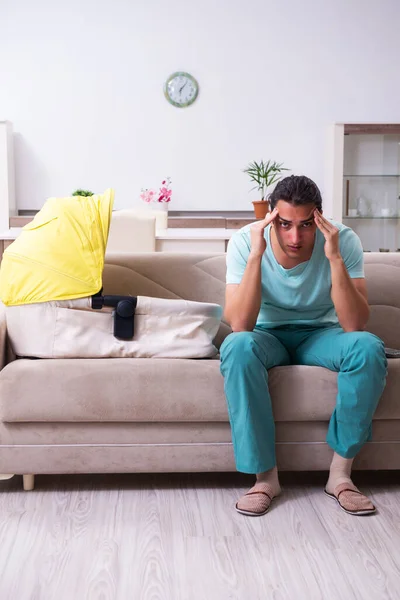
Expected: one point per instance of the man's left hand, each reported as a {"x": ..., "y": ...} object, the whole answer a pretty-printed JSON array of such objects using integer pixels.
[{"x": 331, "y": 235}]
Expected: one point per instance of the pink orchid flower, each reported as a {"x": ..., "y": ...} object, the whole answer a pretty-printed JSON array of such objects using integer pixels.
[
  {"x": 148, "y": 196},
  {"x": 165, "y": 195}
]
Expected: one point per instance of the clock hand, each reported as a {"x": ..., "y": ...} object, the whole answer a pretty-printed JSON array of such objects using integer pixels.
[{"x": 180, "y": 91}]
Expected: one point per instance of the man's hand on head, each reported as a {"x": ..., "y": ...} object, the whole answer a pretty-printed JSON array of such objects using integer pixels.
[
  {"x": 258, "y": 241},
  {"x": 331, "y": 235}
]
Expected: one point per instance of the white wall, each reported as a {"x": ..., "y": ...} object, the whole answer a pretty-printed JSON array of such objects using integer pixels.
[{"x": 82, "y": 82}]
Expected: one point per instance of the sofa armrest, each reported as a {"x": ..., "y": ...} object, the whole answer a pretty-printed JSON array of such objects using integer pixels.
[{"x": 6, "y": 354}]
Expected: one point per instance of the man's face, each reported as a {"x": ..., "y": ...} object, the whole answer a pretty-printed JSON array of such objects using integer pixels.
[{"x": 295, "y": 229}]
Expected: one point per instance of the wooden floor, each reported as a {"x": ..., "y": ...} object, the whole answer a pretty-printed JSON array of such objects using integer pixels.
[{"x": 178, "y": 537}]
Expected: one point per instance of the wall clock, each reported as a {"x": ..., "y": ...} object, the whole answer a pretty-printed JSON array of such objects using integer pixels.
[{"x": 181, "y": 89}]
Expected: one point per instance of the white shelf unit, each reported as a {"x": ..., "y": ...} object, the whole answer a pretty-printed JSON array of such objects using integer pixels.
[
  {"x": 7, "y": 178},
  {"x": 366, "y": 182}
]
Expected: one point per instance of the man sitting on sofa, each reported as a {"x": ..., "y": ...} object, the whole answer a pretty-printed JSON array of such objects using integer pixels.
[{"x": 296, "y": 294}]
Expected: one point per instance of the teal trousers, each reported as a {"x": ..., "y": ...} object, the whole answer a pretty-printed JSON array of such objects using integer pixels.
[{"x": 358, "y": 358}]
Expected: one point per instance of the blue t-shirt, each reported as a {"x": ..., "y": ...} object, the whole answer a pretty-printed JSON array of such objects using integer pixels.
[{"x": 301, "y": 295}]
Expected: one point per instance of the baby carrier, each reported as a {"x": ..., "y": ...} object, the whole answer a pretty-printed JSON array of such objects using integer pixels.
[{"x": 51, "y": 286}]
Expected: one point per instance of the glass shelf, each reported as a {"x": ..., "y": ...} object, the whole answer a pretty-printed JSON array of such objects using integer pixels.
[
  {"x": 368, "y": 186},
  {"x": 371, "y": 217}
]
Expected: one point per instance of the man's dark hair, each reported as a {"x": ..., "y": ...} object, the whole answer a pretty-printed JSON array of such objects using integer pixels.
[{"x": 297, "y": 190}]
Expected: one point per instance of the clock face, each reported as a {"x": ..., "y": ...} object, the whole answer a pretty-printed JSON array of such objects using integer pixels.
[{"x": 181, "y": 89}]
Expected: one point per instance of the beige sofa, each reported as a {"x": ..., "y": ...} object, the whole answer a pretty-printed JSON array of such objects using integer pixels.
[{"x": 154, "y": 415}]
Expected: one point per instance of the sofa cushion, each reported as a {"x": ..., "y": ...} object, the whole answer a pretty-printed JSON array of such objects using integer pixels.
[{"x": 162, "y": 390}]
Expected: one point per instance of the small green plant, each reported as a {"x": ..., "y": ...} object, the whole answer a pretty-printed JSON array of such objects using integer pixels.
[
  {"x": 264, "y": 174},
  {"x": 82, "y": 193}
]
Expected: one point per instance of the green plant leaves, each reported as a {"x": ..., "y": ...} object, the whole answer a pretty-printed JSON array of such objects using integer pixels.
[
  {"x": 82, "y": 193},
  {"x": 264, "y": 173}
]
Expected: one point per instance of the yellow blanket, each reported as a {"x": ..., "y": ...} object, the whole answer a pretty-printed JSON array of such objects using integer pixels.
[{"x": 60, "y": 254}]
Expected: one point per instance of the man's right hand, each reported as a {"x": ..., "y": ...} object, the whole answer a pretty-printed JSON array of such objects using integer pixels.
[{"x": 258, "y": 241}]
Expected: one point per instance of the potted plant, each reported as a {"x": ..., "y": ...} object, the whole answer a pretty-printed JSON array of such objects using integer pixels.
[
  {"x": 82, "y": 193},
  {"x": 264, "y": 174},
  {"x": 158, "y": 202}
]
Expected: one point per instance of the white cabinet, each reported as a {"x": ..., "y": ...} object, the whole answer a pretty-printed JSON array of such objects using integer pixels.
[
  {"x": 193, "y": 239},
  {"x": 367, "y": 183},
  {"x": 7, "y": 185}
]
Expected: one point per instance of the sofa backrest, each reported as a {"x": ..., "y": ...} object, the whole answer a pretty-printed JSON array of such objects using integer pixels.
[{"x": 201, "y": 277}]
